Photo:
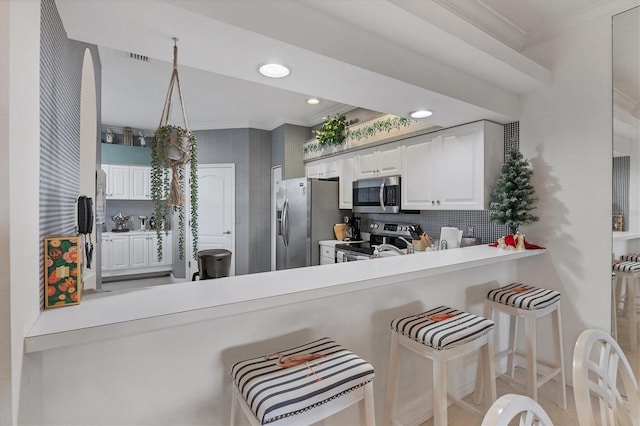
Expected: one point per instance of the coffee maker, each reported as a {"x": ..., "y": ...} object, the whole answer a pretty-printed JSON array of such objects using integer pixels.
[{"x": 352, "y": 232}]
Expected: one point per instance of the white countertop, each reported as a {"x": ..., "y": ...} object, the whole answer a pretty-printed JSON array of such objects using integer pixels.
[
  {"x": 625, "y": 235},
  {"x": 134, "y": 232},
  {"x": 332, "y": 243},
  {"x": 104, "y": 316}
]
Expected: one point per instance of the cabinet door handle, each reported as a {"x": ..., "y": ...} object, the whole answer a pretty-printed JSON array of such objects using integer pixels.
[
  {"x": 438, "y": 202},
  {"x": 433, "y": 203}
]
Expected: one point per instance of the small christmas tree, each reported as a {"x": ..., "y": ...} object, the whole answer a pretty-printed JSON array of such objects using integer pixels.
[{"x": 513, "y": 195}]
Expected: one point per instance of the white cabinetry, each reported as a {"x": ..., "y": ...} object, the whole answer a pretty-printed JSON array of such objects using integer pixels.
[
  {"x": 453, "y": 169},
  {"x": 322, "y": 169},
  {"x": 115, "y": 252},
  {"x": 127, "y": 182},
  {"x": 327, "y": 253},
  {"x": 134, "y": 253},
  {"x": 340, "y": 167},
  {"x": 144, "y": 250},
  {"x": 117, "y": 181},
  {"x": 384, "y": 160},
  {"x": 345, "y": 166},
  {"x": 139, "y": 183}
]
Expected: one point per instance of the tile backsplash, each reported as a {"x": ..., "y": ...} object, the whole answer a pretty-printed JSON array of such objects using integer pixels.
[{"x": 432, "y": 221}]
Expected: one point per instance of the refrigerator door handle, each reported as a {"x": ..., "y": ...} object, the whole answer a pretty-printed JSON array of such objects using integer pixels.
[
  {"x": 382, "y": 194},
  {"x": 285, "y": 222}
]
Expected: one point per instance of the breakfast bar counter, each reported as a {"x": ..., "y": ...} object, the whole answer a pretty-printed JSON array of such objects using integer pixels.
[
  {"x": 104, "y": 316},
  {"x": 178, "y": 342}
]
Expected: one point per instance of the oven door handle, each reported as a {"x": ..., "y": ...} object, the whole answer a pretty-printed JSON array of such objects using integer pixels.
[{"x": 382, "y": 195}]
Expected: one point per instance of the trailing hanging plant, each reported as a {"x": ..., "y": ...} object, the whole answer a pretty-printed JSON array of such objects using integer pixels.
[
  {"x": 173, "y": 147},
  {"x": 166, "y": 191}
]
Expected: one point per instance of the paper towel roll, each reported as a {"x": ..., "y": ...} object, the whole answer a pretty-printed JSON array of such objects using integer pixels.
[{"x": 451, "y": 235}]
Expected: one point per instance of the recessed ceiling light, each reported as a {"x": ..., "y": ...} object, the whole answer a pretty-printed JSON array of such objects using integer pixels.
[
  {"x": 422, "y": 113},
  {"x": 313, "y": 101},
  {"x": 274, "y": 70}
]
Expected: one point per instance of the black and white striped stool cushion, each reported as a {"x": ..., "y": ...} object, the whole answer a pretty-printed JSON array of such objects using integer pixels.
[
  {"x": 622, "y": 266},
  {"x": 273, "y": 392},
  {"x": 443, "y": 327},
  {"x": 524, "y": 296},
  {"x": 631, "y": 257}
]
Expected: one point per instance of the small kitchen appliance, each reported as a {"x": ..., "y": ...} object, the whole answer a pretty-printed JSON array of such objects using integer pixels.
[
  {"x": 352, "y": 233},
  {"x": 121, "y": 223},
  {"x": 143, "y": 223},
  {"x": 377, "y": 195}
]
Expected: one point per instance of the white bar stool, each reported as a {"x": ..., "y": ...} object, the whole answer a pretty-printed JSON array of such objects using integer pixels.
[
  {"x": 442, "y": 334},
  {"x": 528, "y": 302},
  {"x": 627, "y": 279},
  {"x": 302, "y": 385}
]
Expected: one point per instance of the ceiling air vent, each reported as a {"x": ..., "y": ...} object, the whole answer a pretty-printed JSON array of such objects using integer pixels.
[{"x": 139, "y": 57}]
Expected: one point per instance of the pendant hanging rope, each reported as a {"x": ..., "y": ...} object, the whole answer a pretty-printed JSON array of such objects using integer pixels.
[{"x": 178, "y": 150}]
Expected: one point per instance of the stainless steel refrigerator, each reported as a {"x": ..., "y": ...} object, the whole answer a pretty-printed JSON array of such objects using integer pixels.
[{"x": 307, "y": 209}]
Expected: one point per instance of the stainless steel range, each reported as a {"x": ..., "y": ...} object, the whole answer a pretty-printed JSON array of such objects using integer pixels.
[{"x": 392, "y": 236}]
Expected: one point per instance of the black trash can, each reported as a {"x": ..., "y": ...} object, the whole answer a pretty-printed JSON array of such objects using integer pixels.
[{"x": 213, "y": 263}]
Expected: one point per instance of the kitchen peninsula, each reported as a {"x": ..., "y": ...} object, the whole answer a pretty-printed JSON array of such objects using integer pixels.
[{"x": 193, "y": 332}]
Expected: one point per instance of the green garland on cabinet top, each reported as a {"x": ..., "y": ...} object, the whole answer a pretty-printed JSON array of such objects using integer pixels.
[{"x": 333, "y": 131}]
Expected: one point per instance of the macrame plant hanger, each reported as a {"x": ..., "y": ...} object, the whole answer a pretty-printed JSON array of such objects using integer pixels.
[{"x": 178, "y": 151}]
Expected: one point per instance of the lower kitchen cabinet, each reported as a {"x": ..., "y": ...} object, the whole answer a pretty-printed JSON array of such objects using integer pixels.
[
  {"x": 134, "y": 253},
  {"x": 115, "y": 252},
  {"x": 328, "y": 251}
]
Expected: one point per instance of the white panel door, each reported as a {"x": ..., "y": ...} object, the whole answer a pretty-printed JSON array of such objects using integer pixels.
[
  {"x": 138, "y": 251},
  {"x": 140, "y": 186},
  {"x": 366, "y": 164},
  {"x": 346, "y": 182},
  {"x": 216, "y": 211},
  {"x": 418, "y": 173},
  {"x": 461, "y": 168},
  {"x": 389, "y": 161},
  {"x": 119, "y": 251},
  {"x": 119, "y": 185}
]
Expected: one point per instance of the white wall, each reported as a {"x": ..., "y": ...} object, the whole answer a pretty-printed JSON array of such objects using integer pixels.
[
  {"x": 181, "y": 375},
  {"x": 566, "y": 132},
  {"x": 19, "y": 179}
]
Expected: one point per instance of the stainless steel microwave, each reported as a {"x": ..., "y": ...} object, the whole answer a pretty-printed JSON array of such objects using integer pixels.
[{"x": 377, "y": 195}]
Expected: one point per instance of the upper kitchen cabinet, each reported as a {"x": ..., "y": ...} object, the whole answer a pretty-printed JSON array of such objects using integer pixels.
[
  {"x": 384, "y": 160},
  {"x": 324, "y": 169},
  {"x": 118, "y": 181},
  {"x": 345, "y": 165},
  {"x": 127, "y": 182},
  {"x": 453, "y": 169},
  {"x": 140, "y": 183},
  {"x": 335, "y": 167}
]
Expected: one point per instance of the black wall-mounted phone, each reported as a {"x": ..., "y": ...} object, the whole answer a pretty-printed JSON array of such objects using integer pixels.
[
  {"x": 85, "y": 225},
  {"x": 85, "y": 215}
]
